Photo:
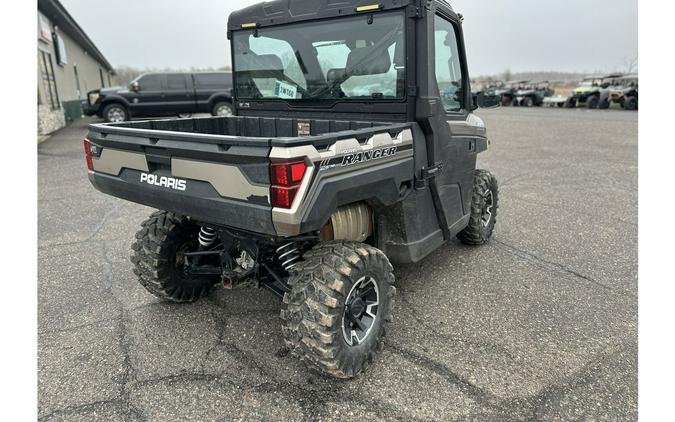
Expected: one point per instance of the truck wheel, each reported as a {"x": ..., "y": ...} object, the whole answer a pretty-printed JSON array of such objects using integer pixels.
[
  {"x": 526, "y": 102},
  {"x": 340, "y": 300},
  {"x": 631, "y": 103},
  {"x": 484, "y": 204},
  {"x": 158, "y": 258},
  {"x": 114, "y": 113},
  {"x": 604, "y": 104},
  {"x": 222, "y": 109},
  {"x": 592, "y": 101},
  {"x": 570, "y": 103}
]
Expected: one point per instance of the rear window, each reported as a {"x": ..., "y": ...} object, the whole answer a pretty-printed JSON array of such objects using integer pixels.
[{"x": 213, "y": 80}]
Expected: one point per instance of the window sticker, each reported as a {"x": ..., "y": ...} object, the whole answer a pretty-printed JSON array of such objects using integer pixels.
[{"x": 284, "y": 90}]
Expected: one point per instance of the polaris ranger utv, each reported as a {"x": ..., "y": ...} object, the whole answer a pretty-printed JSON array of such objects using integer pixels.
[{"x": 354, "y": 144}]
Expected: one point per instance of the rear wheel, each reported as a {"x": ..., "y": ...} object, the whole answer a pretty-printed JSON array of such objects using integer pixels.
[
  {"x": 484, "y": 204},
  {"x": 526, "y": 102},
  {"x": 631, "y": 103},
  {"x": 604, "y": 104},
  {"x": 570, "y": 103},
  {"x": 184, "y": 115},
  {"x": 592, "y": 101},
  {"x": 114, "y": 113},
  {"x": 340, "y": 300},
  {"x": 158, "y": 258},
  {"x": 222, "y": 109}
]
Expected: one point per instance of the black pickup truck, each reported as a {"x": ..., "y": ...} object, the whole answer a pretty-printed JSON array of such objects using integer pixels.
[{"x": 163, "y": 94}]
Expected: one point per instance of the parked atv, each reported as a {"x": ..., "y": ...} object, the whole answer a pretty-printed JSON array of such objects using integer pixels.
[
  {"x": 508, "y": 92},
  {"x": 593, "y": 92},
  {"x": 348, "y": 151},
  {"x": 625, "y": 92},
  {"x": 587, "y": 92},
  {"x": 533, "y": 94}
]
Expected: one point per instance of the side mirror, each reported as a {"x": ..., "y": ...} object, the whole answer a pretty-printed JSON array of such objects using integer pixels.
[
  {"x": 484, "y": 100},
  {"x": 135, "y": 87}
]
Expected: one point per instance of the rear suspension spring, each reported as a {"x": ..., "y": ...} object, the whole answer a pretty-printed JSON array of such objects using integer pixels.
[
  {"x": 207, "y": 236},
  {"x": 288, "y": 255}
]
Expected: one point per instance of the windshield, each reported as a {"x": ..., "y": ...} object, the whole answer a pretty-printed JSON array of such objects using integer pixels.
[{"x": 353, "y": 58}]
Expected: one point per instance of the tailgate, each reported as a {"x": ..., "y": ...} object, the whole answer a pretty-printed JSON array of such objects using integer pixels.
[{"x": 217, "y": 179}]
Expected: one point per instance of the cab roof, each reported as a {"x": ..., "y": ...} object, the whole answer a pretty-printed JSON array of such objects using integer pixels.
[{"x": 278, "y": 12}]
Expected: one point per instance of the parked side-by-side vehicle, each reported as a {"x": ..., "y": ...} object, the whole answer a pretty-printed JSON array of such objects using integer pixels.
[
  {"x": 163, "y": 94},
  {"x": 353, "y": 145}
]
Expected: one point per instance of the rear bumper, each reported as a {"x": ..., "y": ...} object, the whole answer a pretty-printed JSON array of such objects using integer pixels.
[{"x": 200, "y": 201}]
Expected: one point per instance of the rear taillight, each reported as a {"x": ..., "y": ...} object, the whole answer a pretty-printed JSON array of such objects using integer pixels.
[
  {"x": 286, "y": 179},
  {"x": 91, "y": 151},
  {"x": 87, "y": 152}
]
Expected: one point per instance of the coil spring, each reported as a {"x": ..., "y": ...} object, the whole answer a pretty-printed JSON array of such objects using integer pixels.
[
  {"x": 288, "y": 255},
  {"x": 207, "y": 236}
]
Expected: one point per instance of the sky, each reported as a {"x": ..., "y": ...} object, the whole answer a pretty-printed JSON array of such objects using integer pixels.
[{"x": 520, "y": 35}]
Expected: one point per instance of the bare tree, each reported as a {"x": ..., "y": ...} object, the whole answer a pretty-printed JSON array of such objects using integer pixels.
[{"x": 631, "y": 65}]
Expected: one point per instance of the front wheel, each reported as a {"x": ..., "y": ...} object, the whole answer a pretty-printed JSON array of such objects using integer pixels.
[
  {"x": 484, "y": 204},
  {"x": 115, "y": 113},
  {"x": 222, "y": 109},
  {"x": 340, "y": 300},
  {"x": 184, "y": 115}
]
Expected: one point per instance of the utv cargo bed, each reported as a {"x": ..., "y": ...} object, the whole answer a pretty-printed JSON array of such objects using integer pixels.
[{"x": 217, "y": 169}]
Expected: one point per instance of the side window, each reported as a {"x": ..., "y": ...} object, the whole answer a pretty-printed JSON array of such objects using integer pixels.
[
  {"x": 213, "y": 80},
  {"x": 448, "y": 66},
  {"x": 176, "y": 82},
  {"x": 150, "y": 83}
]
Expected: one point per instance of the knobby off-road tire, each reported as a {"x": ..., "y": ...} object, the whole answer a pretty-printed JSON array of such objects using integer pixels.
[
  {"x": 315, "y": 312},
  {"x": 592, "y": 101},
  {"x": 157, "y": 258},
  {"x": 631, "y": 103},
  {"x": 484, "y": 204}
]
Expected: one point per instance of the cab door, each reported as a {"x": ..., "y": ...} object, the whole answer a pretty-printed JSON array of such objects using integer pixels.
[
  {"x": 149, "y": 98},
  {"x": 454, "y": 128}
]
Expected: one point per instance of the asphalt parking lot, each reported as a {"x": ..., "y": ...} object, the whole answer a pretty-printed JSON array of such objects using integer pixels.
[{"x": 541, "y": 324}]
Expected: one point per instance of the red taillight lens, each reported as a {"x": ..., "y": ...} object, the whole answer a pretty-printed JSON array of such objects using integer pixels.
[
  {"x": 87, "y": 152},
  {"x": 286, "y": 180},
  {"x": 288, "y": 174},
  {"x": 282, "y": 197}
]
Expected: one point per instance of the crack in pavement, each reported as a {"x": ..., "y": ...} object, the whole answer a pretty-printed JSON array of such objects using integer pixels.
[
  {"x": 526, "y": 408},
  {"x": 552, "y": 266}
]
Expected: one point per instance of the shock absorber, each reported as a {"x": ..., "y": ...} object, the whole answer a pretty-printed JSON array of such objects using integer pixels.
[
  {"x": 288, "y": 255},
  {"x": 207, "y": 236}
]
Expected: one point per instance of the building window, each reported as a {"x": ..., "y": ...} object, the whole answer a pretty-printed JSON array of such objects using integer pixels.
[
  {"x": 109, "y": 83},
  {"x": 60, "y": 48},
  {"x": 77, "y": 82},
  {"x": 100, "y": 72},
  {"x": 48, "y": 80}
]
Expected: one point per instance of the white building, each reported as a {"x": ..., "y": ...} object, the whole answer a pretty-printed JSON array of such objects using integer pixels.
[{"x": 69, "y": 65}]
